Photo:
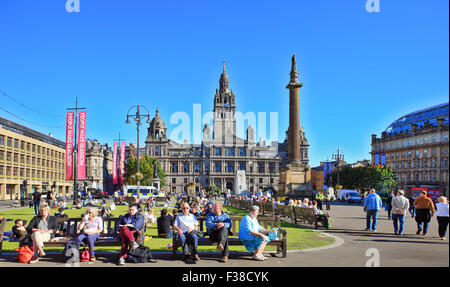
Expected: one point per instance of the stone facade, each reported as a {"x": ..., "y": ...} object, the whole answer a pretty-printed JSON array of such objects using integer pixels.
[
  {"x": 221, "y": 154},
  {"x": 99, "y": 166},
  {"x": 419, "y": 157}
]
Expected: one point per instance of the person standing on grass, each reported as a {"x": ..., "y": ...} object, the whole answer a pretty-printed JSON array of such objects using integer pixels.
[
  {"x": 372, "y": 205},
  {"x": 424, "y": 211},
  {"x": 442, "y": 216},
  {"x": 400, "y": 206},
  {"x": 36, "y": 198}
]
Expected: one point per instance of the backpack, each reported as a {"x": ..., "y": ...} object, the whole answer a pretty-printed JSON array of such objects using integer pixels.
[
  {"x": 67, "y": 252},
  {"x": 25, "y": 254},
  {"x": 141, "y": 254}
]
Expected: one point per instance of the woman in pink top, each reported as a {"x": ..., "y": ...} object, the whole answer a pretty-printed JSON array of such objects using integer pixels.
[{"x": 92, "y": 226}]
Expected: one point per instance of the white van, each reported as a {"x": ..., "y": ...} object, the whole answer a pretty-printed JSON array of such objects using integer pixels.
[
  {"x": 144, "y": 191},
  {"x": 351, "y": 196}
]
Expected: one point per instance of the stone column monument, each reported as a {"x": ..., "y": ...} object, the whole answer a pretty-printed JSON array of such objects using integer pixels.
[{"x": 295, "y": 178}]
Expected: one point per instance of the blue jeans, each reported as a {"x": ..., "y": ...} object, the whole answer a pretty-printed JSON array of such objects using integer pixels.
[
  {"x": 190, "y": 238},
  {"x": 371, "y": 214},
  {"x": 412, "y": 211},
  {"x": 425, "y": 226},
  {"x": 90, "y": 239},
  {"x": 37, "y": 206},
  {"x": 398, "y": 218}
]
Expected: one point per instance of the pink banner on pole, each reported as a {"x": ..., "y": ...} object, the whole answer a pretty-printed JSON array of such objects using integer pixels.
[
  {"x": 122, "y": 161},
  {"x": 82, "y": 145},
  {"x": 69, "y": 146},
  {"x": 115, "y": 147}
]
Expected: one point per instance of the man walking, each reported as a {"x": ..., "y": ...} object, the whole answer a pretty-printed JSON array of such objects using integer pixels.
[
  {"x": 372, "y": 204},
  {"x": 400, "y": 205},
  {"x": 36, "y": 197},
  {"x": 218, "y": 225},
  {"x": 424, "y": 211}
]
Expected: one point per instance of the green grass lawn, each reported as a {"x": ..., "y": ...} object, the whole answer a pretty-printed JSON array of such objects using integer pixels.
[{"x": 297, "y": 237}]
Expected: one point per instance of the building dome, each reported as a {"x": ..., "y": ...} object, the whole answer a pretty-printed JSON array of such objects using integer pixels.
[
  {"x": 420, "y": 118},
  {"x": 157, "y": 121}
]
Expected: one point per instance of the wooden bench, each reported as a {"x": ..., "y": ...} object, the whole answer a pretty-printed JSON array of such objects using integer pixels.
[
  {"x": 307, "y": 215},
  {"x": 109, "y": 237},
  {"x": 266, "y": 222}
]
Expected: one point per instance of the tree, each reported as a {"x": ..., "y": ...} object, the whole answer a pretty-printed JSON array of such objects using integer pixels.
[
  {"x": 213, "y": 189},
  {"x": 146, "y": 165},
  {"x": 381, "y": 178}
]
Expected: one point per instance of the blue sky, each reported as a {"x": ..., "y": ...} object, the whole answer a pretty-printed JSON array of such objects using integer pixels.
[{"x": 360, "y": 71}]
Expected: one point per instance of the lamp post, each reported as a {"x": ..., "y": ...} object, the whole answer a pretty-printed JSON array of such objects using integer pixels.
[
  {"x": 338, "y": 157},
  {"x": 137, "y": 117}
]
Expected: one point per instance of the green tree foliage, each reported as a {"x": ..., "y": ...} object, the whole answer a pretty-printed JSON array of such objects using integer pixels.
[
  {"x": 146, "y": 165},
  {"x": 213, "y": 189},
  {"x": 381, "y": 178}
]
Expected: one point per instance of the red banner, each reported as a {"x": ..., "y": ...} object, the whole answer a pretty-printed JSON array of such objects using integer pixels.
[
  {"x": 122, "y": 161},
  {"x": 115, "y": 146},
  {"x": 82, "y": 145},
  {"x": 69, "y": 146}
]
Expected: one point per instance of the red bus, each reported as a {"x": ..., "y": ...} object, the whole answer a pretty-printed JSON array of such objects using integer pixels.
[{"x": 431, "y": 192}]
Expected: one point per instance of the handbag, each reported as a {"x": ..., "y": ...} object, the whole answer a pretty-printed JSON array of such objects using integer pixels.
[
  {"x": 85, "y": 255},
  {"x": 25, "y": 254}
]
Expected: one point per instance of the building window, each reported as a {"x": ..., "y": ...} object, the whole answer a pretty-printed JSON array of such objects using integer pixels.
[
  {"x": 217, "y": 151},
  {"x": 241, "y": 151},
  {"x": 230, "y": 167},
  {"x": 433, "y": 139},
  {"x": 230, "y": 151},
  {"x": 425, "y": 152},
  {"x": 403, "y": 154},
  {"x": 417, "y": 153},
  {"x": 2, "y": 140},
  {"x": 261, "y": 167},
  {"x": 174, "y": 180},
  {"x": 444, "y": 163},
  {"x": 409, "y": 142},
  {"x": 409, "y": 154},
  {"x": 217, "y": 167},
  {"x": 174, "y": 167},
  {"x": 242, "y": 165},
  {"x": 185, "y": 167}
]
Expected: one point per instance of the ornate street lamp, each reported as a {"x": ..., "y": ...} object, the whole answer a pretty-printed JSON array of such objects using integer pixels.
[{"x": 137, "y": 117}]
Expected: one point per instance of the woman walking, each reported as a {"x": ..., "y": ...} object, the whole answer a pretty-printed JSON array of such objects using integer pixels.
[{"x": 442, "y": 216}]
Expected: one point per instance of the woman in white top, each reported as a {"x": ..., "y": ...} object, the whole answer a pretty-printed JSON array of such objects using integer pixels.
[
  {"x": 442, "y": 216},
  {"x": 92, "y": 226}
]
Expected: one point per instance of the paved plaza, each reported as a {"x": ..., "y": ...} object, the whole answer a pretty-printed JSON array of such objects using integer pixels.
[{"x": 349, "y": 249}]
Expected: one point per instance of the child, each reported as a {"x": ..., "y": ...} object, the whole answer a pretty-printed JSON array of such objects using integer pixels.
[
  {"x": 149, "y": 217},
  {"x": 18, "y": 229}
]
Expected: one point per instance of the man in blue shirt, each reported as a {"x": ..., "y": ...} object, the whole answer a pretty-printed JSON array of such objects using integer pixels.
[
  {"x": 372, "y": 204},
  {"x": 218, "y": 225}
]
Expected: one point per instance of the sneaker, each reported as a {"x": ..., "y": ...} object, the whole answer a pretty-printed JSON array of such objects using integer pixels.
[
  {"x": 220, "y": 247},
  {"x": 33, "y": 261},
  {"x": 134, "y": 245},
  {"x": 258, "y": 257},
  {"x": 374, "y": 230},
  {"x": 224, "y": 259},
  {"x": 121, "y": 261},
  {"x": 196, "y": 258},
  {"x": 418, "y": 231}
]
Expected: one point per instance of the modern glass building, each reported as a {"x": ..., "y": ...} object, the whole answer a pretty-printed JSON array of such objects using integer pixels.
[{"x": 432, "y": 114}]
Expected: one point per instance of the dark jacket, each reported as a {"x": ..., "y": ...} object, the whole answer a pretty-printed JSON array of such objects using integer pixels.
[{"x": 52, "y": 224}]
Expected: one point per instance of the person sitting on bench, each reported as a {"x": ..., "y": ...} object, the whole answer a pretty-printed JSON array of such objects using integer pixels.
[
  {"x": 130, "y": 226},
  {"x": 218, "y": 225}
]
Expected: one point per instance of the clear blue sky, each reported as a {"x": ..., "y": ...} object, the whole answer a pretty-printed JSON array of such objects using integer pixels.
[{"x": 361, "y": 71}]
